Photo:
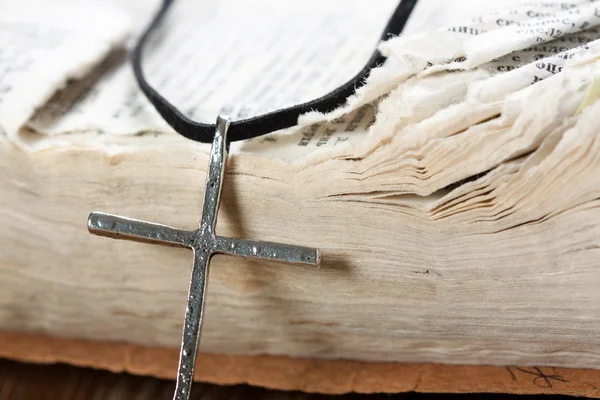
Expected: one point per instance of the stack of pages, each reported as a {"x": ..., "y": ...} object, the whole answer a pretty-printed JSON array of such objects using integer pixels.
[{"x": 455, "y": 197}]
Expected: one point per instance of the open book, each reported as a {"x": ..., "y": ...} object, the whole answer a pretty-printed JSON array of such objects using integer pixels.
[{"x": 455, "y": 198}]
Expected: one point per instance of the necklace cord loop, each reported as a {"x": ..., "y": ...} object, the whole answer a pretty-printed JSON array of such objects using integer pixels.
[{"x": 272, "y": 121}]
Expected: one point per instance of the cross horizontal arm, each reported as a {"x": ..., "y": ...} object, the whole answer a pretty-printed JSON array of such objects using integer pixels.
[
  {"x": 126, "y": 228},
  {"x": 268, "y": 251}
]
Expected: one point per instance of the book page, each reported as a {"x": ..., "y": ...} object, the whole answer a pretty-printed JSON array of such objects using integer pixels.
[
  {"x": 525, "y": 26},
  {"x": 234, "y": 57},
  {"x": 262, "y": 58},
  {"x": 42, "y": 46},
  {"x": 495, "y": 79},
  {"x": 259, "y": 58}
]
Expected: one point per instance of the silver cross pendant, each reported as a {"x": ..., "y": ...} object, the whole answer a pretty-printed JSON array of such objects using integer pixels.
[{"x": 204, "y": 243}]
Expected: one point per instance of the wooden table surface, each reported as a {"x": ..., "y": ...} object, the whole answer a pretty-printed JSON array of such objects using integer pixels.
[{"x": 62, "y": 382}]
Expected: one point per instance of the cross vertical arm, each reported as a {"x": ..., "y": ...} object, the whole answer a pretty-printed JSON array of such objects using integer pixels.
[
  {"x": 204, "y": 248},
  {"x": 214, "y": 176},
  {"x": 193, "y": 325}
]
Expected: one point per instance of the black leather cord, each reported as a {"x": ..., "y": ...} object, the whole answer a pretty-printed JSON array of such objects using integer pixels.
[{"x": 267, "y": 123}]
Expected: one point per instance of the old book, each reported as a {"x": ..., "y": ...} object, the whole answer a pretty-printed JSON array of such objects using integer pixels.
[{"x": 455, "y": 198}]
